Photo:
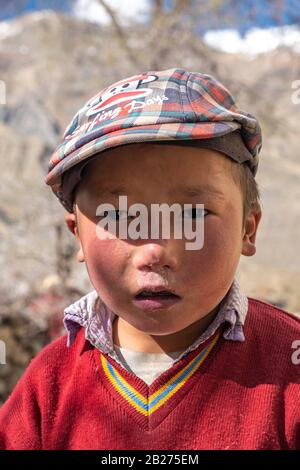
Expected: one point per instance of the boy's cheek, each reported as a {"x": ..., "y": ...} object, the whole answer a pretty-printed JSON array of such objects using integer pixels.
[
  {"x": 105, "y": 260},
  {"x": 219, "y": 253}
]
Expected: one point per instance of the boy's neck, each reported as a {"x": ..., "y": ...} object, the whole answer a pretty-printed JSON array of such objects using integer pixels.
[{"x": 128, "y": 337}]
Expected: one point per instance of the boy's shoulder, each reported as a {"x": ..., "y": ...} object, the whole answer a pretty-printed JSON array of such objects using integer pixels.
[
  {"x": 58, "y": 356},
  {"x": 272, "y": 336},
  {"x": 271, "y": 317},
  {"x": 51, "y": 369},
  {"x": 60, "y": 344}
]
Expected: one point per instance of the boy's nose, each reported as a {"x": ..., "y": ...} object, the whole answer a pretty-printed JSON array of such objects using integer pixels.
[{"x": 154, "y": 255}]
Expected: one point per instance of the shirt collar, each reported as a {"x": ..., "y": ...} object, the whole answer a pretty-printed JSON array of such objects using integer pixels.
[{"x": 97, "y": 319}]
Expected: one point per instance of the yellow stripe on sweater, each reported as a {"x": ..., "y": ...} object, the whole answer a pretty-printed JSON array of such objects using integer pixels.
[
  {"x": 177, "y": 377},
  {"x": 137, "y": 400}
]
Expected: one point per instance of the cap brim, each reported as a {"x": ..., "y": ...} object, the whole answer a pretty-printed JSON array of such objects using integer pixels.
[{"x": 159, "y": 132}]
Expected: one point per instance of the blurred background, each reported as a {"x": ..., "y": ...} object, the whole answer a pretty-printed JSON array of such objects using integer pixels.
[{"x": 56, "y": 54}]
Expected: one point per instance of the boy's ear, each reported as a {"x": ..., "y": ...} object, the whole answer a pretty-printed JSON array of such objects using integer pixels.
[
  {"x": 71, "y": 223},
  {"x": 250, "y": 230}
]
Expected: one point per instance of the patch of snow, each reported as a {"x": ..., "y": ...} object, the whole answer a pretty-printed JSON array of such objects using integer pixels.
[
  {"x": 255, "y": 41},
  {"x": 8, "y": 29},
  {"x": 91, "y": 10}
]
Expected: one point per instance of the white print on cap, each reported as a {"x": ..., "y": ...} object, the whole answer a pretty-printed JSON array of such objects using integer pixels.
[
  {"x": 111, "y": 114},
  {"x": 123, "y": 90}
]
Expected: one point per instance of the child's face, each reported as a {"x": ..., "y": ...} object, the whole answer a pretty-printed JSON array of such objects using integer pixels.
[{"x": 118, "y": 268}]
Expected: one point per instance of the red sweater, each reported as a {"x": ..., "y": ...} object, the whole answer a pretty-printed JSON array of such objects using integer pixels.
[{"x": 223, "y": 395}]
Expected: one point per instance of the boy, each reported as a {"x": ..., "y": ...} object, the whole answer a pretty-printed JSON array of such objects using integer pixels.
[{"x": 167, "y": 352}]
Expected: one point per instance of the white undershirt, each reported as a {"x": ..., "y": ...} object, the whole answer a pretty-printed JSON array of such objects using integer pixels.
[{"x": 146, "y": 366}]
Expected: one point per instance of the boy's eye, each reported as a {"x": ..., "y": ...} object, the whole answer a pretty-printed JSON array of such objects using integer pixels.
[
  {"x": 193, "y": 213},
  {"x": 116, "y": 214}
]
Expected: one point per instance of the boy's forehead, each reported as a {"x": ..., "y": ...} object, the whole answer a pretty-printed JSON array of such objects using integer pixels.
[
  {"x": 195, "y": 172},
  {"x": 149, "y": 154}
]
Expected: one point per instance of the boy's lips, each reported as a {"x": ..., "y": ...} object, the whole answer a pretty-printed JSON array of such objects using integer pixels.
[
  {"x": 156, "y": 289},
  {"x": 155, "y": 297}
]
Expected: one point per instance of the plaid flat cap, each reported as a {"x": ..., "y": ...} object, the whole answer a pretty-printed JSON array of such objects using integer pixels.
[{"x": 173, "y": 105}]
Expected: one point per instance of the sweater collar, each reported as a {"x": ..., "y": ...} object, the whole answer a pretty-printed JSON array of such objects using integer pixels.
[{"x": 97, "y": 319}]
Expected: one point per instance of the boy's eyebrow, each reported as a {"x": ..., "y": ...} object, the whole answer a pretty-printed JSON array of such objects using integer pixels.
[
  {"x": 115, "y": 190},
  {"x": 189, "y": 190},
  {"x": 195, "y": 190}
]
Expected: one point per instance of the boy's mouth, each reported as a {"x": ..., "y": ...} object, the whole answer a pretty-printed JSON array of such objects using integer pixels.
[
  {"x": 153, "y": 298},
  {"x": 155, "y": 292}
]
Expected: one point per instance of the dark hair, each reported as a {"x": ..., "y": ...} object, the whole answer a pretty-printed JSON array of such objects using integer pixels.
[{"x": 244, "y": 178}]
